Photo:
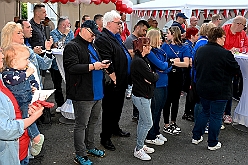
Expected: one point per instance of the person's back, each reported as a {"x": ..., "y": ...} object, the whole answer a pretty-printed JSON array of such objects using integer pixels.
[{"x": 214, "y": 70}]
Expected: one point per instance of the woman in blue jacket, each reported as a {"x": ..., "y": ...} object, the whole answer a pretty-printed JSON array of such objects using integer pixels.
[{"x": 158, "y": 60}]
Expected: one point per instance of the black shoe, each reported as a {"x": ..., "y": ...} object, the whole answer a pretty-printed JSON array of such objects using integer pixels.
[
  {"x": 185, "y": 116},
  {"x": 107, "y": 144},
  {"x": 122, "y": 133}
]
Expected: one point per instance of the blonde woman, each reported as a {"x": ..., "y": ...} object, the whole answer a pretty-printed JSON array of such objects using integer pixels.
[
  {"x": 180, "y": 55},
  {"x": 159, "y": 64}
]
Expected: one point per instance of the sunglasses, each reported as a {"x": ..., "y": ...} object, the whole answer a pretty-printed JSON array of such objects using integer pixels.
[
  {"x": 92, "y": 34},
  {"x": 241, "y": 24},
  {"x": 118, "y": 23}
]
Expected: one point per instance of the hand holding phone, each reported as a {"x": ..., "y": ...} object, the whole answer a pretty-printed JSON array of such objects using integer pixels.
[{"x": 106, "y": 61}]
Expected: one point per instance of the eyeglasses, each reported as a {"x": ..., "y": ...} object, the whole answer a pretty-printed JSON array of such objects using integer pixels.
[
  {"x": 118, "y": 23},
  {"x": 241, "y": 24},
  {"x": 92, "y": 34}
]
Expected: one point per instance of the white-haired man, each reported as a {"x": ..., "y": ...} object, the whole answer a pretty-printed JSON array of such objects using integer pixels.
[{"x": 110, "y": 47}]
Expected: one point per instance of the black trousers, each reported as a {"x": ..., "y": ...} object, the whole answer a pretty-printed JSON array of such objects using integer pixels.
[
  {"x": 175, "y": 82},
  {"x": 112, "y": 104},
  {"x": 57, "y": 84}
]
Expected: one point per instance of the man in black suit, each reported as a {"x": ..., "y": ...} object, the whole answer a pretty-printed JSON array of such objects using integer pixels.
[{"x": 110, "y": 47}]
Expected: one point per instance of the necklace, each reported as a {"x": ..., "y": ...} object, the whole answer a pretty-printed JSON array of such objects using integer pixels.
[{"x": 176, "y": 53}]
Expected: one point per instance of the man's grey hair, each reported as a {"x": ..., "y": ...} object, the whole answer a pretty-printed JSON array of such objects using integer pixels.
[
  {"x": 61, "y": 19},
  {"x": 109, "y": 17}
]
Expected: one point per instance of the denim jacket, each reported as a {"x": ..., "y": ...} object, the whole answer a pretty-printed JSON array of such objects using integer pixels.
[
  {"x": 57, "y": 36},
  {"x": 39, "y": 62},
  {"x": 10, "y": 131}
]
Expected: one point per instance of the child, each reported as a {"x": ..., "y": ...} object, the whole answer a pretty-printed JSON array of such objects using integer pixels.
[{"x": 20, "y": 81}]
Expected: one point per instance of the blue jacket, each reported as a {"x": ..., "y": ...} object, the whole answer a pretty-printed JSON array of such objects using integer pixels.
[
  {"x": 158, "y": 58},
  {"x": 202, "y": 40},
  {"x": 10, "y": 131},
  {"x": 57, "y": 35},
  {"x": 39, "y": 62}
]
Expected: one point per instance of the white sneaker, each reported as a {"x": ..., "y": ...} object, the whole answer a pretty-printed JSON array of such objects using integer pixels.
[
  {"x": 141, "y": 154},
  {"x": 161, "y": 137},
  {"x": 197, "y": 141},
  {"x": 155, "y": 142},
  {"x": 222, "y": 127},
  {"x": 148, "y": 150},
  {"x": 218, "y": 146},
  {"x": 58, "y": 109}
]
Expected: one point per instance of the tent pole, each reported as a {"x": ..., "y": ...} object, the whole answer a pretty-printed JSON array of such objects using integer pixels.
[
  {"x": 79, "y": 12},
  {"x": 18, "y": 10},
  {"x": 52, "y": 10}
]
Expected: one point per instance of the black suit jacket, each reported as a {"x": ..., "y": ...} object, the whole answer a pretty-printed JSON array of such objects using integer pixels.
[{"x": 110, "y": 49}]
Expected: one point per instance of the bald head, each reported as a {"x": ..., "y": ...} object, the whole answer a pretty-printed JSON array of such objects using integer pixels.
[
  {"x": 239, "y": 19},
  {"x": 193, "y": 21},
  {"x": 238, "y": 24}
]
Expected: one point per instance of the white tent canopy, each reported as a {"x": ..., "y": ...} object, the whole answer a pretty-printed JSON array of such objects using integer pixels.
[{"x": 160, "y": 8}]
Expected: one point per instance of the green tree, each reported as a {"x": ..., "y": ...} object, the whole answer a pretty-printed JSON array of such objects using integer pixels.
[{"x": 24, "y": 11}]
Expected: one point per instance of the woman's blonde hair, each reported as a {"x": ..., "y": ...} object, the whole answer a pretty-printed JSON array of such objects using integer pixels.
[
  {"x": 154, "y": 36},
  {"x": 205, "y": 28},
  {"x": 7, "y": 33}
]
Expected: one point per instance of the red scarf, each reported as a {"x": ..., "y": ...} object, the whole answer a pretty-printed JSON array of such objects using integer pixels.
[{"x": 24, "y": 139}]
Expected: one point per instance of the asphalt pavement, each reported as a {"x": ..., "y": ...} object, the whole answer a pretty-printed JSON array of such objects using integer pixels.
[{"x": 59, "y": 148}]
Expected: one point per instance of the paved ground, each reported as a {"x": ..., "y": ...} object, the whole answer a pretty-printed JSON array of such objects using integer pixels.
[{"x": 58, "y": 147}]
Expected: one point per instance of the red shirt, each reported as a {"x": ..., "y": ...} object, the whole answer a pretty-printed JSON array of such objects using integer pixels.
[
  {"x": 24, "y": 139},
  {"x": 234, "y": 40},
  {"x": 76, "y": 32}
]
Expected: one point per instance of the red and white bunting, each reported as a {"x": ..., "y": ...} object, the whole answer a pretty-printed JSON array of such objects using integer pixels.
[
  {"x": 142, "y": 14},
  {"x": 236, "y": 11},
  {"x": 216, "y": 11},
  {"x": 206, "y": 13},
  {"x": 161, "y": 13},
  {"x": 197, "y": 13},
  {"x": 139, "y": 13},
  {"x": 148, "y": 13},
  {"x": 225, "y": 13},
  {"x": 167, "y": 12},
  {"x": 154, "y": 13},
  {"x": 243, "y": 12},
  {"x": 173, "y": 13}
]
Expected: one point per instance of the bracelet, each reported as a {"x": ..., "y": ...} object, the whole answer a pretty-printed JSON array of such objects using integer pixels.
[{"x": 93, "y": 66}]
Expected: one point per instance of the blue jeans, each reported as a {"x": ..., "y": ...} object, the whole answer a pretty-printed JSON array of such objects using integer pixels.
[
  {"x": 145, "y": 119},
  {"x": 197, "y": 110},
  {"x": 157, "y": 104},
  {"x": 25, "y": 161},
  {"x": 213, "y": 112}
]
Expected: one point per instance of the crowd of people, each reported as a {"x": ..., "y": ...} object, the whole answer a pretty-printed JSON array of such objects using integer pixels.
[{"x": 104, "y": 64}]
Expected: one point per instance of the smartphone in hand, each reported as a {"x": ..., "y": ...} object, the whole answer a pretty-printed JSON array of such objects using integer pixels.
[
  {"x": 47, "y": 33},
  {"x": 106, "y": 61}
]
